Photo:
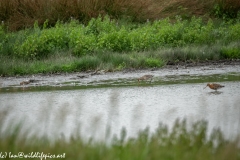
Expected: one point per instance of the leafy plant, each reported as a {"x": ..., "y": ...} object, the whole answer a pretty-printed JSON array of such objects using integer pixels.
[
  {"x": 115, "y": 41},
  {"x": 41, "y": 43}
]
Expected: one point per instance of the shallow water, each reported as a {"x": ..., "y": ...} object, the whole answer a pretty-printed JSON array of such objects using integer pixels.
[{"x": 104, "y": 107}]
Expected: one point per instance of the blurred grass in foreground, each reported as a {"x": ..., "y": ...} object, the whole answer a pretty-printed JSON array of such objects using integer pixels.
[{"x": 179, "y": 143}]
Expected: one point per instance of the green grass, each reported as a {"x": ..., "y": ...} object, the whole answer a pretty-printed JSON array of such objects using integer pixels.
[
  {"x": 64, "y": 62},
  {"x": 114, "y": 45},
  {"x": 176, "y": 144},
  {"x": 115, "y": 61}
]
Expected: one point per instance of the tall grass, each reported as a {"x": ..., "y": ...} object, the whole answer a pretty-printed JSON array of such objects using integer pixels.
[
  {"x": 178, "y": 143},
  {"x": 226, "y": 8},
  {"x": 19, "y": 14}
]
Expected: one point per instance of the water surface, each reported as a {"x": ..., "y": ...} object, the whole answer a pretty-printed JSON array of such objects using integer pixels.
[
  {"x": 90, "y": 111},
  {"x": 100, "y": 108}
]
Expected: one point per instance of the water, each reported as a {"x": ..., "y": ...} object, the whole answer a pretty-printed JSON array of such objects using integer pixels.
[
  {"x": 90, "y": 111},
  {"x": 102, "y": 108}
]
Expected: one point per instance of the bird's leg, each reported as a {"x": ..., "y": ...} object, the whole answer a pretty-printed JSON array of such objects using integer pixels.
[{"x": 151, "y": 80}]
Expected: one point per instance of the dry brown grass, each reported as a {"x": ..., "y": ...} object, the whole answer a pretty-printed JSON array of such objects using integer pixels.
[
  {"x": 180, "y": 7},
  {"x": 229, "y": 4},
  {"x": 18, "y": 14},
  {"x": 230, "y": 7}
]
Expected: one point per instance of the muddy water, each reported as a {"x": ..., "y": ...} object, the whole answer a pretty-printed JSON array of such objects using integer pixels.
[{"x": 102, "y": 107}]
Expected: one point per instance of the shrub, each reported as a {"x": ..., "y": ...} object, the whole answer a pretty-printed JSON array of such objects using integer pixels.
[
  {"x": 143, "y": 38},
  {"x": 103, "y": 34},
  {"x": 81, "y": 43},
  {"x": 43, "y": 42},
  {"x": 101, "y": 25},
  {"x": 115, "y": 41}
]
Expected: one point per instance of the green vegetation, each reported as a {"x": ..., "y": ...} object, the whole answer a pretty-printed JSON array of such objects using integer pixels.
[
  {"x": 120, "y": 37},
  {"x": 115, "y": 45},
  {"x": 79, "y": 35},
  {"x": 179, "y": 143}
]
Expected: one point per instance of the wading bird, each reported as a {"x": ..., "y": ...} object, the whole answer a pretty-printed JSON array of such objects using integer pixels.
[
  {"x": 145, "y": 77},
  {"x": 214, "y": 86},
  {"x": 28, "y": 81},
  {"x": 24, "y": 82}
]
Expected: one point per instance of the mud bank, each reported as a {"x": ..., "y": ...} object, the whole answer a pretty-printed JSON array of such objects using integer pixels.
[{"x": 129, "y": 75}]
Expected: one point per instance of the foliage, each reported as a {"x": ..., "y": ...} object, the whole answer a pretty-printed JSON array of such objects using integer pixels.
[
  {"x": 106, "y": 35},
  {"x": 42, "y": 42},
  {"x": 81, "y": 43},
  {"x": 118, "y": 44},
  {"x": 183, "y": 141}
]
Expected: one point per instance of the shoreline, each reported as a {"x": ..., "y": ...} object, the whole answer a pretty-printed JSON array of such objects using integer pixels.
[
  {"x": 169, "y": 65},
  {"x": 61, "y": 79}
]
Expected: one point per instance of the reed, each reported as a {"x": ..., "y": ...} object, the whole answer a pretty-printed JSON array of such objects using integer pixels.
[
  {"x": 21, "y": 14},
  {"x": 181, "y": 142},
  {"x": 227, "y": 8},
  {"x": 18, "y": 14}
]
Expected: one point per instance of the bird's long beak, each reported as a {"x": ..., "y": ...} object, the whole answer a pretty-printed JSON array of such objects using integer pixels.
[{"x": 204, "y": 87}]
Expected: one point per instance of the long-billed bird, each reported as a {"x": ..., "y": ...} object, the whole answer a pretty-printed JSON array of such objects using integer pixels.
[{"x": 214, "y": 86}]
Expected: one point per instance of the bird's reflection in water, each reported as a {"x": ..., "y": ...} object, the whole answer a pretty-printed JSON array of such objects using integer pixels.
[{"x": 215, "y": 93}]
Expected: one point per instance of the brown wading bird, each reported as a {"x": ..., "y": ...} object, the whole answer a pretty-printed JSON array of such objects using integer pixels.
[
  {"x": 145, "y": 77},
  {"x": 28, "y": 81},
  {"x": 214, "y": 86},
  {"x": 24, "y": 82}
]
